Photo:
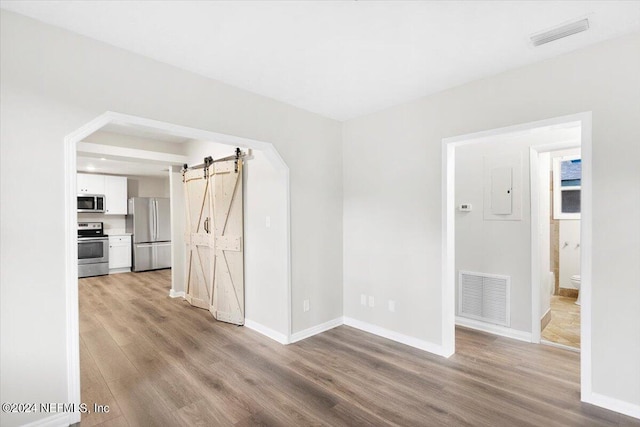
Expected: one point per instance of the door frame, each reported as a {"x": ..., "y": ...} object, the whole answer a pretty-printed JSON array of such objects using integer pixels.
[
  {"x": 71, "y": 241},
  {"x": 448, "y": 238}
]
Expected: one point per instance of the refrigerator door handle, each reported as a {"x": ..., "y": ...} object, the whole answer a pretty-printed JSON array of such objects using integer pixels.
[
  {"x": 152, "y": 224},
  {"x": 155, "y": 220}
]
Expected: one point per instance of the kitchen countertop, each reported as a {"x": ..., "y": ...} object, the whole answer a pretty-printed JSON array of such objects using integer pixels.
[{"x": 116, "y": 233}]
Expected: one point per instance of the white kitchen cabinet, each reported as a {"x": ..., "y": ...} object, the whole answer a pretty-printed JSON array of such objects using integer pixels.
[
  {"x": 114, "y": 189},
  {"x": 115, "y": 193},
  {"x": 90, "y": 183},
  {"x": 119, "y": 253}
]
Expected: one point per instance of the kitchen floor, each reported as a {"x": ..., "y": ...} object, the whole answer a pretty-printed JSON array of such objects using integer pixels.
[
  {"x": 564, "y": 327},
  {"x": 156, "y": 361}
]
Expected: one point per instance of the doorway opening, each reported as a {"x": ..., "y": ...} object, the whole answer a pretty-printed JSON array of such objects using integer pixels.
[
  {"x": 559, "y": 245},
  {"x": 508, "y": 281},
  {"x": 160, "y": 147}
]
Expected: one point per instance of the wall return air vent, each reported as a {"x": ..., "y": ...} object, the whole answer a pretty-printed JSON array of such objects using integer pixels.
[
  {"x": 484, "y": 297},
  {"x": 560, "y": 32}
]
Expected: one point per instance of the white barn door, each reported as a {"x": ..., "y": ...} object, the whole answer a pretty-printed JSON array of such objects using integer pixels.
[
  {"x": 214, "y": 237},
  {"x": 199, "y": 240},
  {"x": 226, "y": 187}
]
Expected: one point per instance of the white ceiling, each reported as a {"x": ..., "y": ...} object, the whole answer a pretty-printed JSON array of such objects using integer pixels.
[{"x": 339, "y": 59}]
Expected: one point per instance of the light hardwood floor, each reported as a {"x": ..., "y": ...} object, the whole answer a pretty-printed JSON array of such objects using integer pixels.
[
  {"x": 564, "y": 327},
  {"x": 137, "y": 358}
]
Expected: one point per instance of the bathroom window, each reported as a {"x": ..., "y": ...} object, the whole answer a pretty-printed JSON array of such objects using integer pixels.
[{"x": 567, "y": 184}]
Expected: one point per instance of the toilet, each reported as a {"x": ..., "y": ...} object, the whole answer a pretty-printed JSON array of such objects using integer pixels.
[{"x": 575, "y": 280}]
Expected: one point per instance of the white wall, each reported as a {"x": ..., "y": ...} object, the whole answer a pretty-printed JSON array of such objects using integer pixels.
[
  {"x": 178, "y": 219},
  {"x": 500, "y": 246},
  {"x": 53, "y": 82},
  {"x": 266, "y": 285},
  {"x": 393, "y": 192},
  {"x": 547, "y": 285},
  {"x": 112, "y": 223},
  {"x": 147, "y": 186}
]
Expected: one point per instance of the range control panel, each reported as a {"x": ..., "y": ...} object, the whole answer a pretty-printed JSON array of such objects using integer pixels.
[{"x": 90, "y": 229}]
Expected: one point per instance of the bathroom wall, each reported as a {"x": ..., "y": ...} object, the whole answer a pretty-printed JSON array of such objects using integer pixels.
[{"x": 569, "y": 253}]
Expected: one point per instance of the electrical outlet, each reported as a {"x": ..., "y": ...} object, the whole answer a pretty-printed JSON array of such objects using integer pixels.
[
  {"x": 363, "y": 299},
  {"x": 305, "y": 305},
  {"x": 371, "y": 301},
  {"x": 267, "y": 222},
  {"x": 392, "y": 306}
]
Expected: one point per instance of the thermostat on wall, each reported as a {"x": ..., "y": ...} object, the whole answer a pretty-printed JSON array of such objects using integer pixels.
[{"x": 464, "y": 207}]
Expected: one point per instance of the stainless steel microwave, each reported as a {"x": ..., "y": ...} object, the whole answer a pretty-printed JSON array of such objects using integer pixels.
[{"x": 91, "y": 203}]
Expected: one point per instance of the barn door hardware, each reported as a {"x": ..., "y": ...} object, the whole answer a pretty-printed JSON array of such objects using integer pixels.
[{"x": 208, "y": 161}]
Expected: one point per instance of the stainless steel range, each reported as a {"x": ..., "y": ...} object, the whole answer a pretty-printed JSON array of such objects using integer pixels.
[{"x": 93, "y": 250}]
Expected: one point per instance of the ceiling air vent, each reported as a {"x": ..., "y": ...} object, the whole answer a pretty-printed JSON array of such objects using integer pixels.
[{"x": 560, "y": 32}]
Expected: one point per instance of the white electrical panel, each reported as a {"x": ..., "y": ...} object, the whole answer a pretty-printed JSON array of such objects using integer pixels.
[{"x": 501, "y": 191}]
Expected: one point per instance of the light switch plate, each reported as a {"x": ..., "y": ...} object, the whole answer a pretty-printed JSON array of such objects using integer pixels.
[
  {"x": 371, "y": 301},
  {"x": 363, "y": 299}
]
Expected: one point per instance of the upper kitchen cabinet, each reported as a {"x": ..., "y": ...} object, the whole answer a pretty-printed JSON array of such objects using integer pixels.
[
  {"x": 115, "y": 193},
  {"x": 114, "y": 189},
  {"x": 91, "y": 184}
]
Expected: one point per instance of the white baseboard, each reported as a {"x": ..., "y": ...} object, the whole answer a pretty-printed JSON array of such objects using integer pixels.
[
  {"x": 494, "y": 329},
  {"x": 174, "y": 294},
  {"x": 612, "y": 404},
  {"x": 266, "y": 331},
  {"x": 314, "y": 330},
  {"x": 120, "y": 270},
  {"x": 395, "y": 336},
  {"x": 562, "y": 346},
  {"x": 57, "y": 420}
]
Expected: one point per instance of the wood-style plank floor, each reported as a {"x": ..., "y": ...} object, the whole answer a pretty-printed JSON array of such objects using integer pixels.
[{"x": 158, "y": 362}]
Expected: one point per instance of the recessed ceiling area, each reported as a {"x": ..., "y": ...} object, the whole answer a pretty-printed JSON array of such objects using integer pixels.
[
  {"x": 118, "y": 167},
  {"x": 143, "y": 133},
  {"x": 107, "y": 156},
  {"x": 339, "y": 59}
]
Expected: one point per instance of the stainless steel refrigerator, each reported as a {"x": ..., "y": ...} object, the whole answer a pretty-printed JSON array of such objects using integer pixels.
[{"x": 149, "y": 219}]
